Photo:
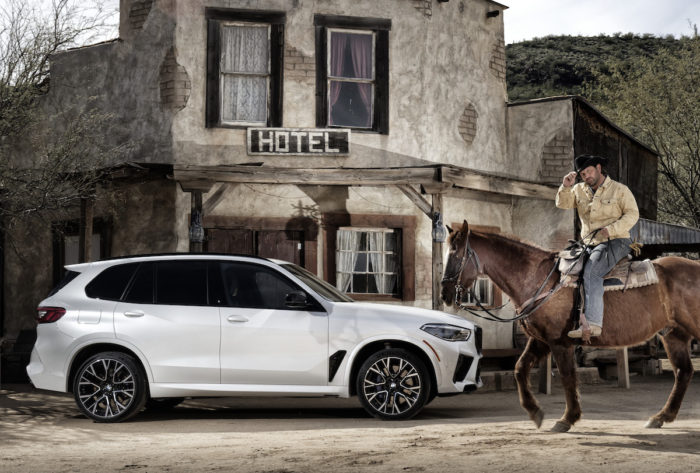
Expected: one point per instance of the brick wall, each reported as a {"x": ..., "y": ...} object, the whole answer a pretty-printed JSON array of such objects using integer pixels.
[
  {"x": 299, "y": 67},
  {"x": 424, "y": 6},
  {"x": 497, "y": 64},
  {"x": 557, "y": 158},
  {"x": 138, "y": 13},
  {"x": 467, "y": 124},
  {"x": 175, "y": 84}
]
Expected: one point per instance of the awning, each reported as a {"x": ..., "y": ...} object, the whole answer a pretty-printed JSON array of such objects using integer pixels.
[{"x": 649, "y": 232}]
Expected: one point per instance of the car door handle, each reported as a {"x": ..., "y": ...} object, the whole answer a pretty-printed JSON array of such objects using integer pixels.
[
  {"x": 236, "y": 318},
  {"x": 136, "y": 313}
]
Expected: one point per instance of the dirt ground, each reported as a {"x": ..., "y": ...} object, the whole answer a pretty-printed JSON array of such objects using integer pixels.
[{"x": 483, "y": 431}]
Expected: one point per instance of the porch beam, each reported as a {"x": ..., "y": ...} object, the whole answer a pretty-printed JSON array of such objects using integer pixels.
[
  {"x": 216, "y": 197},
  {"x": 87, "y": 211},
  {"x": 438, "y": 251},
  {"x": 417, "y": 199},
  {"x": 500, "y": 185},
  {"x": 307, "y": 176}
]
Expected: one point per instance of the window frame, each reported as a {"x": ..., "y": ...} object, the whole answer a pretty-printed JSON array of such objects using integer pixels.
[
  {"x": 216, "y": 17},
  {"x": 380, "y": 28},
  {"x": 406, "y": 223},
  {"x": 367, "y": 252},
  {"x": 71, "y": 228}
]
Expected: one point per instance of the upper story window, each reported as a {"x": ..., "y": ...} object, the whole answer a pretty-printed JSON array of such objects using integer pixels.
[
  {"x": 352, "y": 64},
  {"x": 244, "y": 68}
]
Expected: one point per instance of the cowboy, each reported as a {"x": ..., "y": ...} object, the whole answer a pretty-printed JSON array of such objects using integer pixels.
[{"x": 607, "y": 210}]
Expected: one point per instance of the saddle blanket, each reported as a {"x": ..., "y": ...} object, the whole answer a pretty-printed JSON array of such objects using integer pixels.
[{"x": 625, "y": 275}]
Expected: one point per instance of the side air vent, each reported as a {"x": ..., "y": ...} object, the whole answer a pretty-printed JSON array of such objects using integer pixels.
[
  {"x": 334, "y": 363},
  {"x": 463, "y": 365}
]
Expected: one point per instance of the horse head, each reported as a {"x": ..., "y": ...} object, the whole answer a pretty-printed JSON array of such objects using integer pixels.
[{"x": 462, "y": 266}]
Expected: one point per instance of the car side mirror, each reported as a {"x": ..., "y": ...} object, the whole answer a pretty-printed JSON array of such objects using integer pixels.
[{"x": 296, "y": 300}]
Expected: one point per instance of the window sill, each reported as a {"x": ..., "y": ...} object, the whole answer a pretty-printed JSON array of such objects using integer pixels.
[{"x": 375, "y": 297}]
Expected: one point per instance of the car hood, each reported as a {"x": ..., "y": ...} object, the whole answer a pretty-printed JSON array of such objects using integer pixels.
[{"x": 404, "y": 313}]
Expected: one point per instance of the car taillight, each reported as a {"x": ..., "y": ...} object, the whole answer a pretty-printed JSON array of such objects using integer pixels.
[{"x": 46, "y": 315}]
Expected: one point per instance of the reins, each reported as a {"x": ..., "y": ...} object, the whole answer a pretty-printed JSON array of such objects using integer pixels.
[{"x": 530, "y": 306}]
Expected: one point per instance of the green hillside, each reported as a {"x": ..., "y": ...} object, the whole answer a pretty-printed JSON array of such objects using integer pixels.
[{"x": 559, "y": 65}]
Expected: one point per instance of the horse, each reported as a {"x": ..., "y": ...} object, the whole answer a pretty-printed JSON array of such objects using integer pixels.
[{"x": 522, "y": 270}]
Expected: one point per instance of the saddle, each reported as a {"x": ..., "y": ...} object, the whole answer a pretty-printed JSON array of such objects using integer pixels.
[{"x": 626, "y": 274}]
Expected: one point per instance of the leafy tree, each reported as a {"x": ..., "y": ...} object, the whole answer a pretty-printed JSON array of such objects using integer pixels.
[
  {"x": 44, "y": 170},
  {"x": 657, "y": 99}
]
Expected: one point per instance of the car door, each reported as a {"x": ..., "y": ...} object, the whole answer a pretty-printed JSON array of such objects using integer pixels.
[
  {"x": 264, "y": 341},
  {"x": 166, "y": 315}
]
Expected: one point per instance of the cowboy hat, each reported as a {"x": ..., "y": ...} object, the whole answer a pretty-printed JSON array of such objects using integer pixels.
[{"x": 584, "y": 160}]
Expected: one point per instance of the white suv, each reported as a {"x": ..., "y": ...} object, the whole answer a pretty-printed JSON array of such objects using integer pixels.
[{"x": 124, "y": 333}]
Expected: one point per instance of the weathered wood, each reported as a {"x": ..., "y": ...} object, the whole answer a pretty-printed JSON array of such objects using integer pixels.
[
  {"x": 308, "y": 176},
  {"x": 417, "y": 199},
  {"x": 500, "y": 185},
  {"x": 196, "y": 185},
  {"x": 438, "y": 253},
  {"x": 196, "y": 213},
  {"x": 623, "y": 371},
  {"x": 87, "y": 211},
  {"x": 216, "y": 198},
  {"x": 545, "y": 375}
]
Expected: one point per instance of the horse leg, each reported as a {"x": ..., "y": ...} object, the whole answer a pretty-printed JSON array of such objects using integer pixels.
[
  {"x": 566, "y": 363},
  {"x": 534, "y": 351},
  {"x": 677, "y": 347}
]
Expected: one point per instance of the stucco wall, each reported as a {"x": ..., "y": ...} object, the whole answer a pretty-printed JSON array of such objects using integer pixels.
[
  {"x": 532, "y": 127},
  {"x": 439, "y": 64}
]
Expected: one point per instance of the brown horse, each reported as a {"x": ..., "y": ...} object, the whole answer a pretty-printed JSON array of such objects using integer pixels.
[{"x": 671, "y": 307}]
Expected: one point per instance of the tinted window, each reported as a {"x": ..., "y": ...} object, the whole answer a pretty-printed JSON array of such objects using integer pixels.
[
  {"x": 255, "y": 286},
  {"x": 182, "y": 283},
  {"x": 68, "y": 277},
  {"x": 111, "y": 282},
  {"x": 141, "y": 290}
]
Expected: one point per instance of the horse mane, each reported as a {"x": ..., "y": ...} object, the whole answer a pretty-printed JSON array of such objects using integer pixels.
[{"x": 520, "y": 242}]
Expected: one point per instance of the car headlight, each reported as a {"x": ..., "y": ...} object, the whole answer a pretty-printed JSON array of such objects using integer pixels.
[{"x": 451, "y": 333}]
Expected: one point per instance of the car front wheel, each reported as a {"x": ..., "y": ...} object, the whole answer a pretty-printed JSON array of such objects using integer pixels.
[
  {"x": 393, "y": 384},
  {"x": 110, "y": 387}
]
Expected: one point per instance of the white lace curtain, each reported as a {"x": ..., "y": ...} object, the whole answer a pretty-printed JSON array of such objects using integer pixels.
[
  {"x": 348, "y": 244},
  {"x": 245, "y": 59}
]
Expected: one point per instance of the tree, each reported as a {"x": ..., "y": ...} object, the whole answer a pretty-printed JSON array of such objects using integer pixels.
[
  {"x": 657, "y": 99},
  {"x": 45, "y": 170}
]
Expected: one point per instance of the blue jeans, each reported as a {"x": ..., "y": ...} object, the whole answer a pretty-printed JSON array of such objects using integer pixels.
[{"x": 602, "y": 259}]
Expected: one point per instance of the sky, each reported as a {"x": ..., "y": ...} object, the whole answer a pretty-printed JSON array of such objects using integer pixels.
[{"x": 527, "y": 19}]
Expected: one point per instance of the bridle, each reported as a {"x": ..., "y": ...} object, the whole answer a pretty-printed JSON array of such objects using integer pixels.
[{"x": 530, "y": 306}]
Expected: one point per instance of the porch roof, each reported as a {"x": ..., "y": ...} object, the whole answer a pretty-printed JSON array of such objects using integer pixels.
[{"x": 433, "y": 178}]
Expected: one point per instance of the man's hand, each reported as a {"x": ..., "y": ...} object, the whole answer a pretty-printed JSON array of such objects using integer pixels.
[
  {"x": 604, "y": 232},
  {"x": 569, "y": 179}
]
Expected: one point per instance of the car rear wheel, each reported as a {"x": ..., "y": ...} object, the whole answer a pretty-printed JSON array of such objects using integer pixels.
[
  {"x": 393, "y": 384},
  {"x": 110, "y": 387}
]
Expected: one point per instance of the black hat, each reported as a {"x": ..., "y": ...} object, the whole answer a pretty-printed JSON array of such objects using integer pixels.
[{"x": 584, "y": 160}]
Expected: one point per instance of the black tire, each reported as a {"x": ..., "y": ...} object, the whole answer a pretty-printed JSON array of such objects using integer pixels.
[
  {"x": 163, "y": 403},
  {"x": 110, "y": 387},
  {"x": 393, "y": 384}
]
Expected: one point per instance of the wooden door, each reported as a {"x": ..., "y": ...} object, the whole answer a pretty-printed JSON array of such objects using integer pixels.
[{"x": 277, "y": 244}]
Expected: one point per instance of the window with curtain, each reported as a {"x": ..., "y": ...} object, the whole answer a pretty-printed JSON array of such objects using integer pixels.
[
  {"x": 352, "y": 73},
  {"x": 483, "y": 290},
  {"x": 244, "y": 68},
  {"x": 368, "y": 261},
  {"x": 350, "y": 78},
  {"x": 245, "y": 73}
]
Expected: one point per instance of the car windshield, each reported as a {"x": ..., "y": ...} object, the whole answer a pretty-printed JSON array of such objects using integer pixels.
[{"x": 321, "y": 287}]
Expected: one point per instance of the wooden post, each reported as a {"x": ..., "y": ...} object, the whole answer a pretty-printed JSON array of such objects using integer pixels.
[
  {"x": 196, "y": 245},
  {"x": 623, "y": 371},
  {"x": 438, "y": 249},
  {"x": 87, "y": 211},
  {"x": 545, "y": 374}
]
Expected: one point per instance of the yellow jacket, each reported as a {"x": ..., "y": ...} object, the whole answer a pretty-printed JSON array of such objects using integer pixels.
[{"x": 612, "y": 206}]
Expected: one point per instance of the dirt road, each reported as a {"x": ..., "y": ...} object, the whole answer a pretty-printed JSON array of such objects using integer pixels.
[{"x": 484, "y": 431}]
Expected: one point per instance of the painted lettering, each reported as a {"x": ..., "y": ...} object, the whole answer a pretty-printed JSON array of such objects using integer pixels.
[
  {"x": 314, "y": 139},
  {"x": 327, "y": 144},
  {"x": 265, "y": 141},
  {"x": 278, "y": 147}
]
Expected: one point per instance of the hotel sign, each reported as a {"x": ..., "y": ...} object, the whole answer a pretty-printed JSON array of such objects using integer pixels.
[{"x": 299, "y": 141}]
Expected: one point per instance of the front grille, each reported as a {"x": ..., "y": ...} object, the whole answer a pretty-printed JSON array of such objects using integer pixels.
[
  {"x": 478, "y": 338},
  {"x": 464, "y": 363}
]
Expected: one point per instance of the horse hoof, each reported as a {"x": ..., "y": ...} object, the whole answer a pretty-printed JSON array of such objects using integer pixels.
[
  {"x": 654, "y": 424},
  {"x": 537, "y": 417},
  {"x": 561, "y": 426}
]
